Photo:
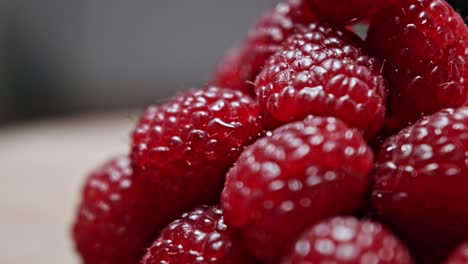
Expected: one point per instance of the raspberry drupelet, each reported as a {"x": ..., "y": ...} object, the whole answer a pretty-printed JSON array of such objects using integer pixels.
[{"x": 459, "y": 255}]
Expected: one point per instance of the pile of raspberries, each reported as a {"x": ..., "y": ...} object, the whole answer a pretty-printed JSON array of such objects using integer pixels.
[{"x": 310, "y": 145}]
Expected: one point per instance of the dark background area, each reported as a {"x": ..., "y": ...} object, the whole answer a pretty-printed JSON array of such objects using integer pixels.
[
  {"x": 461, "y": 6},
  {"x": 63, "y": 56}
]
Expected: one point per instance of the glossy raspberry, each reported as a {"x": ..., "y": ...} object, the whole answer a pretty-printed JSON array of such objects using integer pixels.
[
  {"x": 186, "y": 145},
  {"x": 304, "y": 172},
  {"x": 459, "y": 255},
  {"x": 115, "y": 221},
  {"x": 343, "y": 11},
  {"x": 321, "y": 71},
  {"x": 347, "y": 240},
  {"x": 234, "y": 72},
  {"x": 241, "y": 65},
  {"x": 424, "y": 46},
  {"x": 421, "y": 183},
  {"x": 198, "y": 237}
]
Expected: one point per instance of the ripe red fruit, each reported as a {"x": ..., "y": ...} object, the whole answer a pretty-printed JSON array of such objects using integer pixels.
[
  {"x": 115, "y": 221},
  {"x": 321, "y": 71},
  {"x": 234, "y": 72},
  {"x": 424, "y": 46},
  {"x": 304, "y": 172},
  {"x": 241, "y": 65},
  {"x": 343, "y": 11},
  {"x": 198, "y": 237},
  {"x": 186, "y": 145},
  {"x": 459, "y": 255},
  {"x": 421, "y": 183},
  {"x": 347, "y": 240}
]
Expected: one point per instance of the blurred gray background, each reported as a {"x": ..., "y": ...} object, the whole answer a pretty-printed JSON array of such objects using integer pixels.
[{"x": 63, "y": 56}]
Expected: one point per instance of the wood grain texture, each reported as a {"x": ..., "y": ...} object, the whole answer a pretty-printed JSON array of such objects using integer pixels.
[{"x": 43, "y": 166}]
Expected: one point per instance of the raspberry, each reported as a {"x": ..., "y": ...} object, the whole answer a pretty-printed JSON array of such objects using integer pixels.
[
  {"x": 424, "y": 45},
  {"x": 421, "y": 183},
  {"x": 186, "y": 146},
  {"x": 459, "y": 255},
  {"x": 303, "y": 172},
  {"x": 347, "y": 240},
  {"x": 342, "y": 11},
  {"x": 200, "y": 236},
  {"x": 115, "y": 221},
  {"x": 234, "y": 72},
  {"x": 242, "y": 64},
  {"x": 320, "y": 71}
]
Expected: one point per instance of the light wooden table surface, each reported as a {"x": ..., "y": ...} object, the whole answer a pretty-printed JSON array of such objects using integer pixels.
[{"x": 42, "y": 169}]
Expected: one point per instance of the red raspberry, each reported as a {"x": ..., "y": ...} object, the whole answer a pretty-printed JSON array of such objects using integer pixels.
[
  {"x": 421, "y": 183},
  {"x": 199, "y": 237},
  {"x": 347, "y": 240},
  {"x": 115, "y": 221},
  {"x": 242, "y": 64},
  {"x": 459, "y": 255},
  {"x": 321, "y": 71},
  {"x": 234, "y": 72},
  {"x": 424, "y": 45},
  {"x": 186, "y": 146},
  {"x": 343, "y": 11},
  {"x": 304, "y": 172}
]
